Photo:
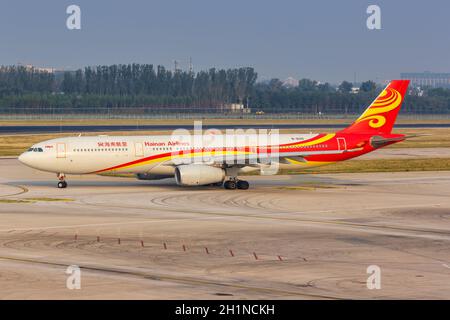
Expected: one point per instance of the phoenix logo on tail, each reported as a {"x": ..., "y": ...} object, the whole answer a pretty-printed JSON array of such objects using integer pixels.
[{"x": 380, "y": 116}]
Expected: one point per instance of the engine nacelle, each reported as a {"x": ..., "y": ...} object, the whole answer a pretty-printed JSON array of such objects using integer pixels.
[{"x": 198, "y": 174}]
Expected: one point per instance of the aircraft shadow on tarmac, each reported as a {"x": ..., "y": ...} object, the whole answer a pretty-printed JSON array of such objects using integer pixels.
[
  {"x": 170, "y": 185},
  {"x": 304, "y": 180}
]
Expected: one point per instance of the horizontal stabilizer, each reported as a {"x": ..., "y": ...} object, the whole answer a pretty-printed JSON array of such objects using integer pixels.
[{"x": 378, "y": 142}]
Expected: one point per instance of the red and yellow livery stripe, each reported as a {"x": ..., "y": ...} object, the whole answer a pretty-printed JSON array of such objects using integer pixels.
[{"x": 321, "y": 138}]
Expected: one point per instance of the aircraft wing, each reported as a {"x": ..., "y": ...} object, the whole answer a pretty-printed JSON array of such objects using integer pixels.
[{"x": 245, "y": 158}]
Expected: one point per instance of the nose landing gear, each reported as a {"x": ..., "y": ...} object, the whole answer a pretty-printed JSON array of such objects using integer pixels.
[{"x": 62, "y": 182}]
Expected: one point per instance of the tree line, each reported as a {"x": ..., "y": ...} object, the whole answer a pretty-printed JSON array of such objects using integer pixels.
[
  {"x": 19, "y": 80},
  {"x": 146, "y": 88},
  {"x": 322, "y": 98},
  {"x": 204, "y": 88}
]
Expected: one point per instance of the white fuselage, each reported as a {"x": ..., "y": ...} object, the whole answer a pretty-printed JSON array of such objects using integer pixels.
[{"x": 96, "y": 154}]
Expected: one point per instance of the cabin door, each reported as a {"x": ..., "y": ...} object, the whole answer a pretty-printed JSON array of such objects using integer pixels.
[
  {"x": 60, "y": 150},
  {"x": 342, "y": 144},
  {"x": 139, "y": 149}
]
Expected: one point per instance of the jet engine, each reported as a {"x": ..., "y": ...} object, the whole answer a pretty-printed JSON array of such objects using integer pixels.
[{"x": 198, "y": 174}]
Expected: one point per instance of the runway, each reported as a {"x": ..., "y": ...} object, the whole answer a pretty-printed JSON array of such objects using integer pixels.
[
  {"x": 14, "y": 129},
  {"x": 288, "y": 237}
]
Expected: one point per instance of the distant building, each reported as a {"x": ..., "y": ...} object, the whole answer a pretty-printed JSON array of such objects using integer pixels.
[
  {"x": 428, "y": 79},
  {"x": 355, "y": 90},
  {"x": 290, "y": 82},
  {"x": 30, "y": 67},
  {"x": 235, "y": 108}
]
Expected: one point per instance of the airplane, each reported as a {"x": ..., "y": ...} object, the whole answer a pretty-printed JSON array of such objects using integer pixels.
[{"x": 221, "y": 163}]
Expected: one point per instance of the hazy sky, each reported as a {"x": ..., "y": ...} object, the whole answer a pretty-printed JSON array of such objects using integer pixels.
[{"x": 323, "y": 40}]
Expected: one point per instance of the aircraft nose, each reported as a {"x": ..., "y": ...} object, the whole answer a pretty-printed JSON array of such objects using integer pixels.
[{"x": 24, "y": 158}]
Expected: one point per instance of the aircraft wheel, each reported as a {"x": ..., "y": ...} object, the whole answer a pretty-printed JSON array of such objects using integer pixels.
[
  {"x": 62, "y": 184},
  {"x": 230, "y": 185},
  {"x": 243, "y": 185}
]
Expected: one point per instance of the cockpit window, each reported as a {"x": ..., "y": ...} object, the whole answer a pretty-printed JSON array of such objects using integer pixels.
[{"x": 35, "y": 150}]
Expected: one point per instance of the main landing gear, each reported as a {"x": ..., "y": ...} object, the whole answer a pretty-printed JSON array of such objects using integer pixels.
[
  {"x": 236, "y": 184},
  {"x": 233, "y": 182},
  {"x": 62, "y": 182}
]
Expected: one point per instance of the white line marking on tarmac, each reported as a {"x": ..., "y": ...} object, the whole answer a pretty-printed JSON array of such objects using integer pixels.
[
  {"x": 446, "y": 265},
  {"x": 363, "y": 208},
  {"x": 85, "y": 225}
]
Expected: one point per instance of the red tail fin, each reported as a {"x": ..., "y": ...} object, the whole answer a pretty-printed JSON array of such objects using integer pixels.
[{"x": 380, "y": 116}]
